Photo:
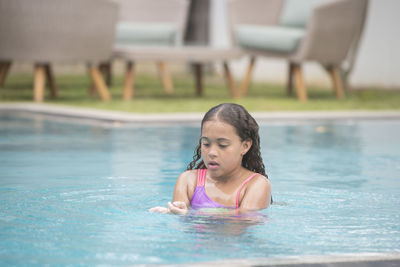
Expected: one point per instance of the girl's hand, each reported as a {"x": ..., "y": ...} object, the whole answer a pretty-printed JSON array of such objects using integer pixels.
[
  {"x": 177, "y": 207},
  {"x": 159, "y": 209}
]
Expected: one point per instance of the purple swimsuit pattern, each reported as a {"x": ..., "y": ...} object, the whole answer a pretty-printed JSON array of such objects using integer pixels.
[{"x": 201, "y": 200}]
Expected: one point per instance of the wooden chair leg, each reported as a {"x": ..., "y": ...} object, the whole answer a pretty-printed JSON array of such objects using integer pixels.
[
  {"x": 289, "y": 87},
  {"x": 165, "y": 78},
  {"x": 105, "y": 72},
  {"x": 337, "y": 81},
  {"x": 39, "y": 82},
  {"x": 99, "y": 83},
  {"x": 106, "y": 69},
  {"x": 198, "y": 74},
  {"x": 244, "y": 88},
  {"x": 129, "y": 82},
  {"x": 50, "y": 80},
  {"x": 300, "y": 85},
  {"x": 230, "y": 81},
  {"x": 4, "y": 68}
]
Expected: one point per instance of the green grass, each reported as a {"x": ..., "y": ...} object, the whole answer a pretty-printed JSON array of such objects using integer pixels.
[{"x": 150, "y": 97}]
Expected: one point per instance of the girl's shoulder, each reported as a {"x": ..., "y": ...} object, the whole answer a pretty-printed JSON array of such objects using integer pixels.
[
  {"x": 257, "y": 194},
  {"x": 189, "y": 176},
  {"x": 259, "y": 180},
  {"x": 189, "y": 180}
]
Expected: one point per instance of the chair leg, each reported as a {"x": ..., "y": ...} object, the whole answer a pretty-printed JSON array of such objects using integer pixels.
[
  {"x": 99, "y": 83},
  {"x": 129, "y": 82},
  {"x": 39, "y": 82},
  {"x": 50, "y": 80},
  {"x": 230, "y": 81},
  {"x": 300, "y": 85},
  {"x": 165, "y": 78},
  {"x": 198, "y": 74},
  {"x": 337, "y": 81},
  {"x": 244, "y": 88},
  {"x": 4, "y": 68},
  {"x": 106, "y": 69},
  {"x": 289, "y": 86}
]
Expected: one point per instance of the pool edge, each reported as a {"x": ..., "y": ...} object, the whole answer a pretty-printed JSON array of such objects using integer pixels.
[
  {"x": 119, "y": 117},
  {"x": 334, "y": 260}
]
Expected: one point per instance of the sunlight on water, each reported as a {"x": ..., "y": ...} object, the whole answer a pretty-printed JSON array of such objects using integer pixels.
[{"x": 80, "y": 194}]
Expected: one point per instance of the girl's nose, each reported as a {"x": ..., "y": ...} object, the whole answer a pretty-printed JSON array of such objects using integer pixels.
[{"x": 212, "y": 152}]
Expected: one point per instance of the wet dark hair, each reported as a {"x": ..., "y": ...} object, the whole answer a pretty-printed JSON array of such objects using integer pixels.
[{"x": 246, "y": 128}]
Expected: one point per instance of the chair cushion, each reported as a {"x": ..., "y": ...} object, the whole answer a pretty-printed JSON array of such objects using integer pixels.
[
  {"x": 296, "y": 13},
  {"x": 145, "y": 33},
  {"x": 268, "y": 38}
]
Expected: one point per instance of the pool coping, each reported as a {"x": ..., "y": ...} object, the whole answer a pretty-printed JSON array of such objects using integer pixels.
[
  {"x": 333, "y": 260},
  {"x": 119, "y": 117}
]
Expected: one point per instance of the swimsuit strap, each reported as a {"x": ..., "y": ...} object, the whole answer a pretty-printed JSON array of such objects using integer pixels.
[
  {"x": 201, "y": 181},
  {"x": 201, "y": 177},
  {"x": 241, "y": 187}
]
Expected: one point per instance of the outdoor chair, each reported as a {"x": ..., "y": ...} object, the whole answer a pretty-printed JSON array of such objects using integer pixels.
[
  {"x": 45, "y": 32},
  {"x": 323, "y": 31},
  {"x": 149, "y": 23}
]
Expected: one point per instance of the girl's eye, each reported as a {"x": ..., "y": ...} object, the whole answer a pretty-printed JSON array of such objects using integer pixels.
[
  {"x": 206, "y": 145},
  {"x": 223, "y": 146}
]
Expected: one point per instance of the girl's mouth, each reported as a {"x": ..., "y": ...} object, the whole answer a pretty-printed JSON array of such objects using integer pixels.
[{"x": 212, "y": 165}]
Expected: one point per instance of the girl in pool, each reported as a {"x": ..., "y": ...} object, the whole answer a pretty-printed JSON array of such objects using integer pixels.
[{"x": 227, "y": 171}]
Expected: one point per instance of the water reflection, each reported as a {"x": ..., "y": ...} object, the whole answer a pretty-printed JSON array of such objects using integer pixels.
[
  {"x": 314, "y": 154},
  {"x": 34, "y": 144},
  {"x": 220, "y": 224},
  {"x": 217, "y": 235}
]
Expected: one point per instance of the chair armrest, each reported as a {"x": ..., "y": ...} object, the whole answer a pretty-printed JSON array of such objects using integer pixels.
[
  {"x": 259, "y": 12},
  {"x": 331, "y": 31}
]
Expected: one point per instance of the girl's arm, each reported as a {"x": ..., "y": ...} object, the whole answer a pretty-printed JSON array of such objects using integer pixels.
[
  {"x": 184, "y": 187},
  {"x": 183, "y": 192},
  {"x": 257, "y": 195}
]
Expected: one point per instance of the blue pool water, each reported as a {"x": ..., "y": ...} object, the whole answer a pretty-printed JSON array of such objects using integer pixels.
[{"x": 79, "y": 194}]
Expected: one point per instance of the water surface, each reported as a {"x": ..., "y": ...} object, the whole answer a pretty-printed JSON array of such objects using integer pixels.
[{"x": 79, "y": 194}]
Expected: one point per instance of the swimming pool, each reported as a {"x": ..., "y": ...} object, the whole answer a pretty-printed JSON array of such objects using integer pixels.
[{"x": 75, "y": 193}]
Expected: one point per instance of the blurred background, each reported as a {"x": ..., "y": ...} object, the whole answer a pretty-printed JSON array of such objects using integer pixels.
[
  {"x": 375, "y": 66},
  {"x": 367, "y": 60}
]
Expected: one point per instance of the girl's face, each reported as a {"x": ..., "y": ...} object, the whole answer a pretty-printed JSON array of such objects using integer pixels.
[{"x": 221, "y": 148}]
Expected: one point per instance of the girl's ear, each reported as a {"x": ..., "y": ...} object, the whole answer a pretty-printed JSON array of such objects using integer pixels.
[{"x": 246, "y": 145}]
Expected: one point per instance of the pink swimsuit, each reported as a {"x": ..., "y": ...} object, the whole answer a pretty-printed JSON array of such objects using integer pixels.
[{"x": 200, "y": 198}]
